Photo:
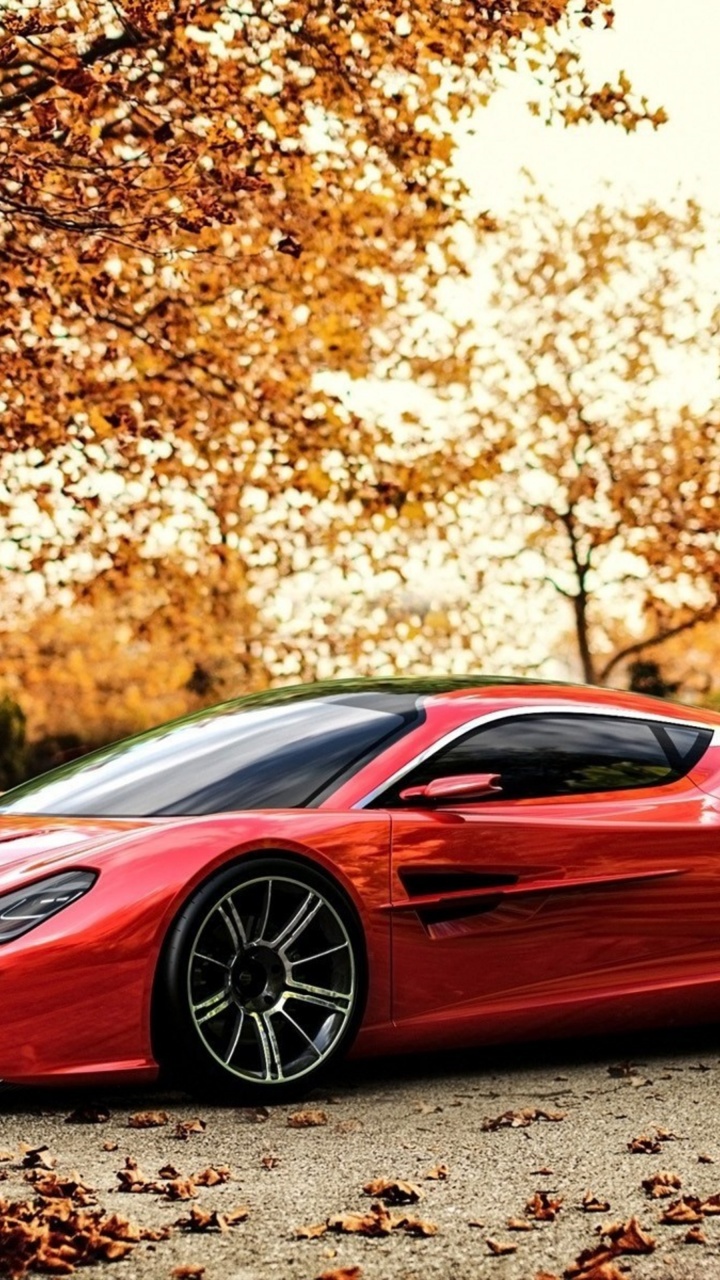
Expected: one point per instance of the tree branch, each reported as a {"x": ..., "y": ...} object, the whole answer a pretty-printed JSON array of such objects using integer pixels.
[
  {"x": 665, "y": 633},
  {"x": 102, "y": 48}
]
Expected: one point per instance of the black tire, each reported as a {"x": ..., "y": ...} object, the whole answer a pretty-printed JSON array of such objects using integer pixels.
[{"x": 262, "y": 983}]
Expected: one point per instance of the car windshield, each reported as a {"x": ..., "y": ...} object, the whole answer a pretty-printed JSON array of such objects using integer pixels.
[{"x": 255, "y": 753}]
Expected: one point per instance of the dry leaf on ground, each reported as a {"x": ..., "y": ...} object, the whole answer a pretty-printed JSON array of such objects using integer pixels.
[
  {"x": 184, "y": 1128},
  {"x": 88, "y": 1115},
  {"x": 662, "y": 1184},
  {"x": 687, "y": 1209},
  {"x": 520, "y": 1119},
  {"x": 306, "y": 1119},
  {"x": 543, "y": 1207},
  {"x": 392, "y": 1191},
  {"x": 439, "y": 1173},
  {"x": 38, "y": 1158},
  {"x": 252, "y": 1115},
  {"x": 188, "y": 1272},
  {"x": 695, "y": 1236},
  {"x": 500, "y": 1247},
  {"x": 593, "y": 1204},
  {"x": 148, "y": 1120}
]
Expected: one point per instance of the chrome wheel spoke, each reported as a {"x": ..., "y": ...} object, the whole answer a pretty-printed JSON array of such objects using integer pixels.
[
  {"x": 229, "y": 915},
  {"x": 320, "y": 955},
  {"x": 260, "y": 931},
  {"x": 237, "y": 1032},
  {"x": 200, "y": 955},
  {"x": 213, "y": 1005},
  {"x": 267, "y": 1040},
  {"x": 338, "y": 1001},
  {"x": 306, "y": 912},
  {"x": 254, "y": 1017},
  {"x": 300, "y": 1031}
]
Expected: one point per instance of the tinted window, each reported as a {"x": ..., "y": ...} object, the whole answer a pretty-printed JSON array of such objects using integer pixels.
[
  {"x": 243, "y": 755},
  {"x": 560, "y": 754}
]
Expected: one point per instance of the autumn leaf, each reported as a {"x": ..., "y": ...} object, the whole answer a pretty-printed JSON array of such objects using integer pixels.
[
  {"x": 376, "y": 1222},
  {"x": 148, "y": 1120},
  {"x": 687, "y": 1209},
  {"x": 438, "y": 1173},
  {"x": 88, "y": 1115},
  {"x": 543, "y": 1206},
  {"x": 593, "y": 1204},
  {"x": 270, "y": 1160},
  {"x": 393, "y": 1191},
  {"x": 520, "y": 1119},
  {"x": 306, "y": 1119},
  {"x": 188, "y": 1271},
  {"x": 184, "y": 1128},
  {"x": 662, "y": 1184},
  {"x": 500, "y": 1247},
  {"x": 695, "y": 1236}
]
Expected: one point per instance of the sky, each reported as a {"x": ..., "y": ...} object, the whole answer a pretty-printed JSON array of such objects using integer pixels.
[{"x": 669, "y": 49}]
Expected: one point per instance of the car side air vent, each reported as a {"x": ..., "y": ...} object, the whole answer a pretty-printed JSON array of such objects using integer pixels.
[{"x": 419, "y": 882}]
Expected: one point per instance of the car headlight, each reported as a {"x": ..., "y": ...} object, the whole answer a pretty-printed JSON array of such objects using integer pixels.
[{"x": 25, "y": 908}]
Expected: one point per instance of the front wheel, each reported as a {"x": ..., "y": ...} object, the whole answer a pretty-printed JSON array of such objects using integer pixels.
[{"x": 263, "y": 982}]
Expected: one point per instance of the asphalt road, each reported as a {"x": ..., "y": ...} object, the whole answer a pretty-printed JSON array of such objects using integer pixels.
[{"x": 401, "y": 1120}]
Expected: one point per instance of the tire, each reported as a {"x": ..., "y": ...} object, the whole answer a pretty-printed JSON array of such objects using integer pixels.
[{"x": 262, "y": 984}]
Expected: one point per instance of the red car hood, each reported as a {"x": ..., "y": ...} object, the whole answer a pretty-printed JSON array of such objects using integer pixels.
[{"x": 37, "y": 843}]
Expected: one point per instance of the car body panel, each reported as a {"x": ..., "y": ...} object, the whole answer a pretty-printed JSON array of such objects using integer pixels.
[
  {"x": 483, "y": 922},
  {"x": 88, "y": 973}
]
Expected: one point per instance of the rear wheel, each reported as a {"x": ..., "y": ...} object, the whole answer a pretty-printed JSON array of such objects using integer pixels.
[{"x": 263, "y": 983}]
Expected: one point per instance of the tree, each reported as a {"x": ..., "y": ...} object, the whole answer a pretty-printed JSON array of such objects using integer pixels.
[
  {"x": 204, "y": 208},
  {"x": 605, "y": 367},
  {"x": 12, "y": 743}
]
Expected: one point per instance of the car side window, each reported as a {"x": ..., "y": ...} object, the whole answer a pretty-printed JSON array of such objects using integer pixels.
[{"x": 558, "y": 754}]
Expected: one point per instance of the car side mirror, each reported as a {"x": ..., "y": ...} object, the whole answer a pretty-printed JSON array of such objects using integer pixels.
[{"x": 463, "y": 786}]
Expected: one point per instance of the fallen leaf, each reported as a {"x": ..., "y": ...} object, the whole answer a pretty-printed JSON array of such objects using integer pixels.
[
  {"x": 542, "y": 1173},
  {"x": 519, "y": 1224},
  {"x": 392, "y": 1191},
  {"x": 202, "y": 1220},
  {"x": 592, "y": 1204},
  {"x": 212, "y": 1176},
  {"x": 476, "y": 1222},
  {"x": 38, "y": 1158},
  {"x": 629, "y": 1237},
  {"x": 270, "y": 1160},
  {"x": 252, "y": 1115},
  {"x": 415, "y": 1226},
  {"x": 311, "y": 1233},
  {"x": 148, "y": 1120},
  {"x": 543, "y": 1207},
  {"x": 188, "y": 1272},
  {"x": 695, "y": 1236},
  {"x": 236, "y": 1216},
  {"x": 712, "y": 1204},
  {"x": 520, "y": 1119},
  {"x": 307, "y": 1119},
  {"x": 184, "y": 1128},
  {"x": 180, "y": 1189},
  {"x": 439, "y": 1173},
  {"x": 349, "y": 1126},
  {"x": 683, "y": 1210},
  {"x": 88, "y": 1115},
  {"x": 662, "y": 1184},
  {"x": 705, "y": 1159},
  {"x": 377, "y": 1222},
  {"x": 110, "y": 1146},
  {"x": 500, "y": 1247}
]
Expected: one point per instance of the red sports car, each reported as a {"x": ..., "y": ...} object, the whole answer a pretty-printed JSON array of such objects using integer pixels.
[{"x": 243, "y": 895}]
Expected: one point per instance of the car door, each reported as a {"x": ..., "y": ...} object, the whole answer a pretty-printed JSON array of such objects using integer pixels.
[{"x": 592, "y": 871}]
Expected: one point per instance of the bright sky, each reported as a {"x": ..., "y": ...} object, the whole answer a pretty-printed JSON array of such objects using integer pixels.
[{"x": 669, "y": 49}]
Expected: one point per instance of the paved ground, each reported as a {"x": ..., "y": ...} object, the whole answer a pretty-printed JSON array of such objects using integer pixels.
[{"x": 400, "y": 1120}]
